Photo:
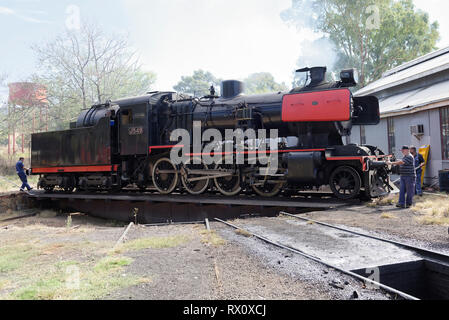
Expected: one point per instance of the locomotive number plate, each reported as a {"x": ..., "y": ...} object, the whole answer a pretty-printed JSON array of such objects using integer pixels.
[{"x": 135, "y": 131}]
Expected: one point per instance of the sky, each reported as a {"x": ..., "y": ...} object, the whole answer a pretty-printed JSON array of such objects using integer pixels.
[{"x": 230, "y": 38}]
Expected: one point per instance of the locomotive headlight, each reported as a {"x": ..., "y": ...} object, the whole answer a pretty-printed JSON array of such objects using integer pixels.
[{"x": 349, "y": 77}]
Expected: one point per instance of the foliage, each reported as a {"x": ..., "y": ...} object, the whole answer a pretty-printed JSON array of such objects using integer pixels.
[
  {"x": 198, "y": 84},
  {"x": 262, "y": 82},
  {"x": 76, "y": 69},
  {"x": 86, "y": 67},
  {"x": 372, "y": 35}
]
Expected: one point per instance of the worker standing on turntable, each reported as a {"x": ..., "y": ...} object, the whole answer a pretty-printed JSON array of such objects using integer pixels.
[{"x": 20, "y": 169}]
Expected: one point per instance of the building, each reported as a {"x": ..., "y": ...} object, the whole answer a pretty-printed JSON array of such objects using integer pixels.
[{"x": 414, "y": 107}]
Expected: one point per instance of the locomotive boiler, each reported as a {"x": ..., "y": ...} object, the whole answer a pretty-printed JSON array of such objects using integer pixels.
[{"x": 129, "y": 143}]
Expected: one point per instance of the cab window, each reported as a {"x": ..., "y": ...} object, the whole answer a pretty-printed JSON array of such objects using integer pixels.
[{"x": 127, "y": 117}]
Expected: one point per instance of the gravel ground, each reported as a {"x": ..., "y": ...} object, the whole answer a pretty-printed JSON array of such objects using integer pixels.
[
  {"x": 197, "y": 270},
  {"x": 330, "y": 283},
  {"x": 237, "y": 267},
  {"x": 402, "y": 227}
]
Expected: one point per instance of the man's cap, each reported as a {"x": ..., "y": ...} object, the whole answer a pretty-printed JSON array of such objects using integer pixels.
[{"x": 405, "y": 148}]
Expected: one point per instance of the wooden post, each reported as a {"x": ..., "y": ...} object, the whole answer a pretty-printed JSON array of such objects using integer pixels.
[{"x": 9, "y": 135}]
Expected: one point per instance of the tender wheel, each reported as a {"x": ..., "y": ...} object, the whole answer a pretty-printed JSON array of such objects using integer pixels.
[
  {"x": 345, "y": 183},
  {"x": 197, "y": 186},
  {"x": 49, "y": 189},
  {"x": 165, "y": 176},
  {"x": 230, "y": 185},
  {"x": 68, "y": 184},
  {"x": 69, "y": 189},
  {"x": 268, "y": 189}
]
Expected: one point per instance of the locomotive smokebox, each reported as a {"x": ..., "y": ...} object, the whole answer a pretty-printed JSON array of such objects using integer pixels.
[{"x": 231, "y": 88}]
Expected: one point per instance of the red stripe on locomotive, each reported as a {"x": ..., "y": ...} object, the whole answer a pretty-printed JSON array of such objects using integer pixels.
[{"x": 105, "y": 168}]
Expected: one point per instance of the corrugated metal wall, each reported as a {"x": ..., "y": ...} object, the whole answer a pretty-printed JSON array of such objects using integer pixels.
[{"x": 377, "y": 135}]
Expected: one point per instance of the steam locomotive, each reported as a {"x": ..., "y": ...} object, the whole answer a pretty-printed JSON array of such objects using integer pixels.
[{"x": 129, "y": 143}]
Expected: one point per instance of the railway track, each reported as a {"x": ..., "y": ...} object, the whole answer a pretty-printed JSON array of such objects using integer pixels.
[
  {"x": 426, "y": 276},
  {"x": 318, "y": 260},
  {"x": 426, "y": 253}
]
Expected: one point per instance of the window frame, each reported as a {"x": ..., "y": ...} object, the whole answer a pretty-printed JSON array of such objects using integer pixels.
[
  {"x": 391, "y": 138},
  {"x": 444, "y": 121}
]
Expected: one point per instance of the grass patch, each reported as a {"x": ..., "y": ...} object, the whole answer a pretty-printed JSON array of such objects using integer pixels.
[
  {"x": 383, "y": 202},
  {"x": 44, "y": 289},
  {"x": 210, "y": 237},
  {"x": 13, "y": 257},
  {"x": 4, "y": 283},
  {"x": 387, "y": 216},
  {"x": 91, "y": 281},
  {"x": 112, "y": 263},
  {"x": 153, "y": 242},
  {"x": 433, "y": 210},
  {"x": 244, "y": 233},
  {"x": 31, "y": 270}
]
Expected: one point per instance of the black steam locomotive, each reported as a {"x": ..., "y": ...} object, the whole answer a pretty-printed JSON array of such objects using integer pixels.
[{"x": 129, "y": 143}]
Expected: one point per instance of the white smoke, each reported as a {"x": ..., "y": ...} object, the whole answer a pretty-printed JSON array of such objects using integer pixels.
[{"x": 316, "y": 49}]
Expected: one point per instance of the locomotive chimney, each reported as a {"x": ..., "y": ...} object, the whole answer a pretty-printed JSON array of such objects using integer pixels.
[
  {"x": 317, "y": 75},
  {"x": 231, "y": 88}
]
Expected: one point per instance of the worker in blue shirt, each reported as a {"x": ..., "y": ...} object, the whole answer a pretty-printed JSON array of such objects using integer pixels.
[
  {"x": 20, "y": 169},
  {"x": 408, "y": 178}
]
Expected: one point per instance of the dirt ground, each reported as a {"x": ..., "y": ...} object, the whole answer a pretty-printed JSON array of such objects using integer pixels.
[
  {"x": 38, "y": 255},
  {"x": 60, "y": 256}
]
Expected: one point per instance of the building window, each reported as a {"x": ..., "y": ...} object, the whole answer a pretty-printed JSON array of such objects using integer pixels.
[
  {"x": 391, "y": 137},
  {"x": 444, "y": 117},
  {"x": 362, "y": 135}
]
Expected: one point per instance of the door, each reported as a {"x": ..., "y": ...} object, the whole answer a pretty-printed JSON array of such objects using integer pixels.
[{"x": 134, "y": 130}]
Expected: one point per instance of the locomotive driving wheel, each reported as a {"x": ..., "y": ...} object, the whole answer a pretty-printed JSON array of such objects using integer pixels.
[
  {"x": 190, "y": 173},
  {"x": 228, "y": 185},
  {"x": 268, "y": 189},
  {"x": 345, "y": 183},
  {"x": 165, "y": 176}
]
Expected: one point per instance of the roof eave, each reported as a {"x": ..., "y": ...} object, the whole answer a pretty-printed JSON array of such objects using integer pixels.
[
  {"x": 417, "y": 108},
  {"x": 417, "y": 76}
]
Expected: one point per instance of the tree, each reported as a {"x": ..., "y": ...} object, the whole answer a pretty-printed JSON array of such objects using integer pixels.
[
  {"x": 86, "y": 67},
  {"x": 262, "y": 82},
  {"x": 371, "y": 35},
  {"x": 3, "y": 112},
  {"x": 198, "y": 84}
]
